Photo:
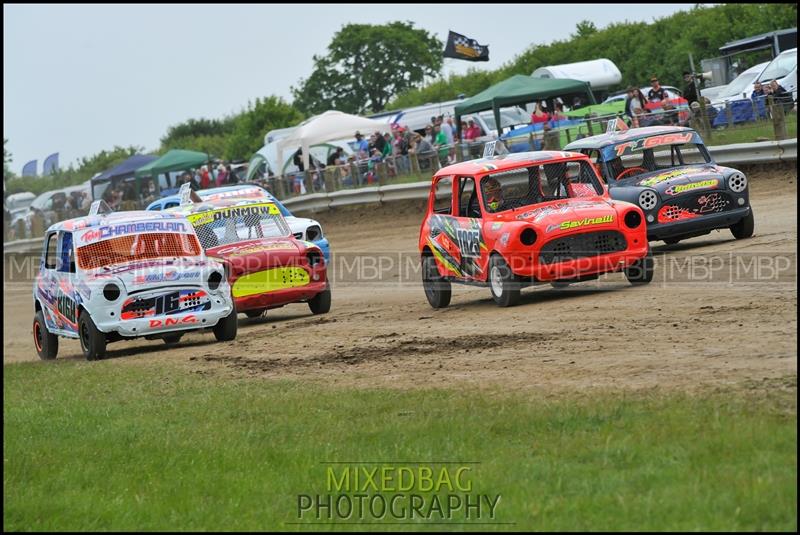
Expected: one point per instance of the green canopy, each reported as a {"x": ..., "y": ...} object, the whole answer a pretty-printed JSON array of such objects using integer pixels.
[
  {"x": 520, "y": 89},
  {"x": 174, "y": 160}
]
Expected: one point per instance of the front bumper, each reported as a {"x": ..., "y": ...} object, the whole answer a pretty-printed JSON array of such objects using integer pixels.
[
  {"x": 164, "y": 323},
  {"x": 279, "y": 298},
  {"x": 696, "y": 226}
]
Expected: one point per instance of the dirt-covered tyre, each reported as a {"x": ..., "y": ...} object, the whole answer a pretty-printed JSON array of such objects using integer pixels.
[
  {"x": 671, "y": 241},
  {"x": 257, "y": 313},
  {"x": 225, "y": 329},
  {"x": 46, "y": 344},
  {"x": 321, "y": 303},
  {"x": 172, "y": 339},
  {"x": 641, "y": 271},
  {"x": 744, "y": 228},
  {"x": 438, "y": 290},
  {"x": 504, "y": 285},
  {"x": 93, "y": 342}
]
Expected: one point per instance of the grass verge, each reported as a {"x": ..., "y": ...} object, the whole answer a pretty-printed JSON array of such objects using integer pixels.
[{"x": 103, "y": 446}]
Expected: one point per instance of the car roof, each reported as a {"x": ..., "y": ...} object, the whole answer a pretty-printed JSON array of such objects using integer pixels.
[
  {"x": 603, "y": 140},
  {"x": 100, "y": 220},
  {"x": 203, "y": 206},
  {"x": 507, "y": 161}
]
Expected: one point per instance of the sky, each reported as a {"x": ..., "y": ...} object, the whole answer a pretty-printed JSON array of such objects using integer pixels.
[{"x": 78, "y": 79}]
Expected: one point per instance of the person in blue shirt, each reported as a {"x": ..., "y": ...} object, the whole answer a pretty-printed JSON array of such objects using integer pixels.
[{"x": 362, "y": 145}]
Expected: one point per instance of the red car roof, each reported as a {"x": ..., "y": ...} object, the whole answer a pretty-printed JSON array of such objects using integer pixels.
[{"x": 508, "y": 161}]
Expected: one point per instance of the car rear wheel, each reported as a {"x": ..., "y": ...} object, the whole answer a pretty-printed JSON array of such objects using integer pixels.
[
  {"x": 93, "y": 342},
  {"x": 438, "y": 290},
  {"x": 744, "y": 228},
  {"x": 256, "y": 313},
  {"x": 46, "y": 343},
  {"x": 641, "y": 271},
  {"x": 321, "y": 303},
  {"x": 225, "y": 329},
  {"x": 505, "y": 286}
]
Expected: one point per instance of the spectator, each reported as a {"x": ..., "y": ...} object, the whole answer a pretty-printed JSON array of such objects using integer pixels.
[
  {"x": 205, "y": 178},
  {"x": 447, "y": 128},
  {"x": 635, "y": 105},
  {"x": 758, "y": 91},
  {"x": 539, "y": 115},
  {"x": 440, "y": 141},
  {"x": 424, "y": 151},
  {"x": 378, "y": 142},
  {"x": 780, "y": 95},
  {"x": 197, "y": 178},
  {"x": 387, "y": 145},
  {"x": 336, "y": 157},
  {"x": 400, "y": 151},
  {"x": 297, "y": 159},
  {"x": 473, "y": 132},
  {"x": 656, "y": 93},
  {"x": 232, "y": 178},
  {"x": 222, "y": 175},
  {"x": 361, "y": 145},
  {"x": 689, "y": 89},
  {"x": 558, "y": 111}
]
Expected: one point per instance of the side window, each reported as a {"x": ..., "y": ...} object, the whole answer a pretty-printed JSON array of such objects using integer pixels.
[
  {"x": 50, "y": 251},
  {"x": 468, "y": 198},
  {"x": 66, "y": 258},
  {"x": 443, "y": 196}
]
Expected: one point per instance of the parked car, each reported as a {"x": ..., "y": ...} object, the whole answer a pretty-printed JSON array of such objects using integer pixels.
[
  {"x": 740, "y": 88},
  {"x": 514, "y": 220},
  {"x": 124, "y": 275},
  {"x": 670, "y": 174},
  {"x": 783, "y": 69},
  {"x": 302, "y": 228},
  {"x": 266, "y": 266}
]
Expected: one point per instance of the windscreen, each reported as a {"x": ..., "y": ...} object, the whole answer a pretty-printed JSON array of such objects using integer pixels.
[{"x": 234, "y": 224}]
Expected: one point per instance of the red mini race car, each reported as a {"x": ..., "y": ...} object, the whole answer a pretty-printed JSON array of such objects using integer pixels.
[
  {"x": 266, "y": 266},
  {"x": 513, "y": 220}
]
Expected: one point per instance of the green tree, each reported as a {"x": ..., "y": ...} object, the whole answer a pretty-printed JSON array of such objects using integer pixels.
[
  {"x": 202, "y": 135},
  {"x": 250, "y": 126},
  {"x": 368, "y": 64},
  {"x": 584, "y": 28},
  {"x": 7, "y": 159}
]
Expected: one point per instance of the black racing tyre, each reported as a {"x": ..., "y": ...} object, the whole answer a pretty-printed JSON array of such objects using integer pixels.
[
  {"x": 641, "y": 271},
  {"x": 93, "y": 342},
  {"x": 504, "y": 285},
  {"x": 744, "y": 228},
  {"x": 46, "y": 344},
  {"x": 255, "y": 313},
  {"x": 172, "y": 339},
  {"x": 321, "y": 303},
  {"x": 438, "y": 290},
  {"x": 225, "y": 329},
  {"x": 671, "y": 241}
]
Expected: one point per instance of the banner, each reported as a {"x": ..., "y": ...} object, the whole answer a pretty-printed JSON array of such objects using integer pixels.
[
  {"x": 29, "y": 169},
  {"x": 461, "y": 47},
  {"x": 50, "y": 164}
]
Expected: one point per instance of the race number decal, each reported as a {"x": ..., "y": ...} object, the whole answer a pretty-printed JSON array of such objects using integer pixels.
[{"x": 469, "y": 242}]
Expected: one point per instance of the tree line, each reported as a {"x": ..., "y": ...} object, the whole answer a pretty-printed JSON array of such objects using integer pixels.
[{"x": 370, "y": 68}]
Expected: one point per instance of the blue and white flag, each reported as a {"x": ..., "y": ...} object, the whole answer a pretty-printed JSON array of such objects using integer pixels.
[
  {"x": 29, "y": 169},
  {"x": 50, "y": 164}
]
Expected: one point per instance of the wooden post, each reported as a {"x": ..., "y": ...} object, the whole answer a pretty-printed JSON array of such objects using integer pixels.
[
  {"x": 778, "y": 118},
  {"x": 382, "y": 172},
  {"x": 414, "y": 162},
  {"x": 589, "y": 125},
  {"x": 729, "y": 113},
  {"x": 459, "y": 155}
]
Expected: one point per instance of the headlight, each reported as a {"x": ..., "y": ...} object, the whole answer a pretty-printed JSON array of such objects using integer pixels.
[
  {"x": 648, "y": 199},
  {"x": 214, "y": 280},
  {"x": 315, "y": 258},
  {"x": 111, "y": 292},
  {"x": 313, "y": 233},
  {"x": 528, "y": 236},
  {"x": 633, "y": 219},
  {"x": 737, "y": 182}
]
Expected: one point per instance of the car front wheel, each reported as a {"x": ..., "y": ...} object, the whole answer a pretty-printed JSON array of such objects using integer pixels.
[
  {"x": 438, "y": 290},
  {"x": 744, "y": 228},
  {"x": 505, "y": 286},
  {"x": 225, "y": 329},
  {"x": 641, "y": 271},
  {"x": 93, "y": 342},
  {"x": 321, "y": 303}
]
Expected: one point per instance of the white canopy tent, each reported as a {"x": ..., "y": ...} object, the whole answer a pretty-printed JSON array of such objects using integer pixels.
[{"x": 329, "y": 126}]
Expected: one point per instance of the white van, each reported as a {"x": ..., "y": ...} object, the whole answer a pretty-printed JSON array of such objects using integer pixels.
[{"x": 784, "y": 69}]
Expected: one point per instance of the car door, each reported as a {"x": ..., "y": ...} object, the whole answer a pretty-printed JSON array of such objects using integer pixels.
[
  {"x": 47, "y": 286},
  {"x": 441, "y": 235},
  {"x": 67, "y": 296},
  {"x": 467, "y": 222}
]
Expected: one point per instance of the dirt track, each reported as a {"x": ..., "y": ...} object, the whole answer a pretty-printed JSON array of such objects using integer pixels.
[{"x": 740, "y": 326}]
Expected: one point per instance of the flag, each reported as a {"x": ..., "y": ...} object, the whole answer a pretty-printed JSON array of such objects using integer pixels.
[
  {"x": 461, "y": 47},
  {"x": 29, "y": 169},
  {"x": 50, "y": 164}
]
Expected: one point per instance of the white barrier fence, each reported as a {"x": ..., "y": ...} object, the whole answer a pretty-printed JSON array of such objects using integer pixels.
[{"x": 764, "y": 152}]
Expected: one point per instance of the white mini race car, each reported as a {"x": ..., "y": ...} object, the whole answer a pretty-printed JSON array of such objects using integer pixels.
[{"x": 114, "y": 276}]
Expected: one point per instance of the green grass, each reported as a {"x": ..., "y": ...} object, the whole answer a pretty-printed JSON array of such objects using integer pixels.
[{"x": 119, "y": 445}]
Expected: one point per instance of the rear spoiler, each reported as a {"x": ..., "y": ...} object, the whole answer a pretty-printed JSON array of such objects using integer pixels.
[
  {"x": 99, "y": 207},
  {"x": 188, "y": 195}
]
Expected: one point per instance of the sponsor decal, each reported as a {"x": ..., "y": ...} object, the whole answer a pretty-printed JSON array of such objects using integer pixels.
[
  {"x": 110, "y": 231},
  {"x": 560, "y": 208},
  {"x": 681, "y": 188},
  {"x": 167, "y": 322},
  {"x": 653, "y": 180},
  {"x": 244, "y": 193},
  {"x": 168, "y": 276},
  {"x": 165, "y": 304},
  {"x": 66, "y": 306},
  {"x": 504, "y": 238},
  {"x": 270, "y": 280},
  {"x": 239, "y": 250},
  {"x": 497, "y": 226},
  {"x": 211, "y": 216},
  {"x": 587, "y": 221},
  {"x": 653, "y": 141}
]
